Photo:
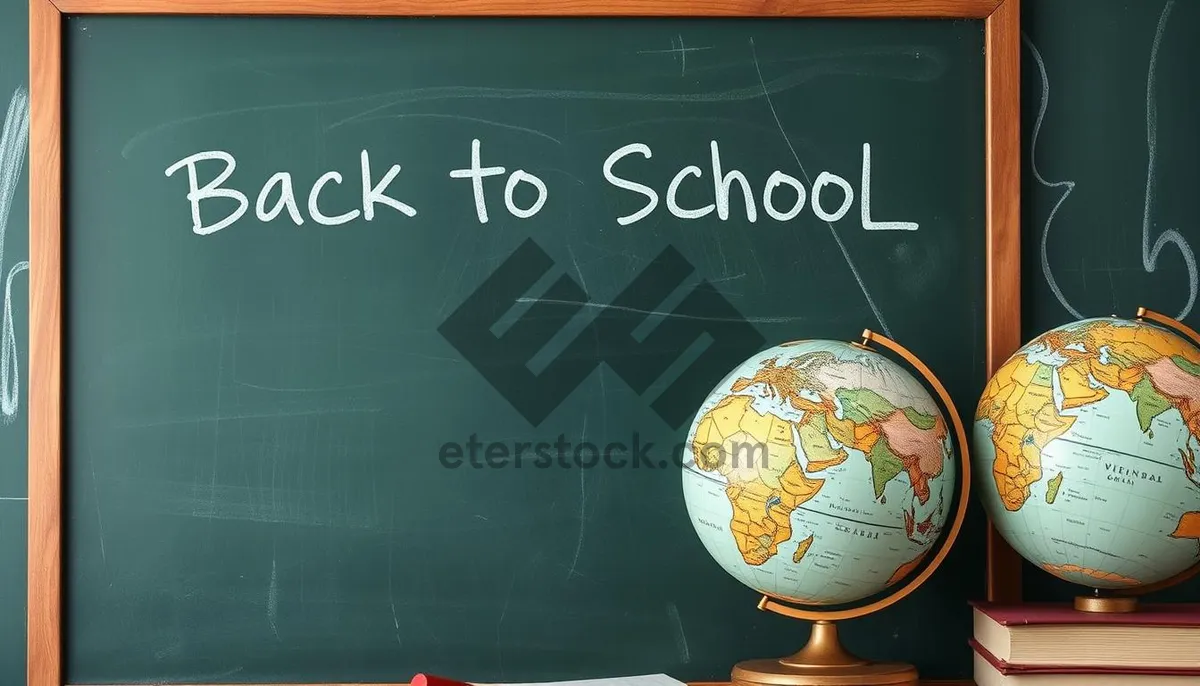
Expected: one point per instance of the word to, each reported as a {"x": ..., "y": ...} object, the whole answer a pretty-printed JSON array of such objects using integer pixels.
[{"x": 782, "y": 196}]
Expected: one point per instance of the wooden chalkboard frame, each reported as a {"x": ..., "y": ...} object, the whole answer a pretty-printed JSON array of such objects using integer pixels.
[{"x": 45, "y": 571}]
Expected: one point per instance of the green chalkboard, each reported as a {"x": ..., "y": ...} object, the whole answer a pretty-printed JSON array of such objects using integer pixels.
[
  {"x": 257, "y": 410},
  {"x": 1110, "y": 172},
  {"x": 14, "y": 353}
]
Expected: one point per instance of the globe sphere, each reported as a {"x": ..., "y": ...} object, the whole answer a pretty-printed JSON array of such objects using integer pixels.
[
  {"x": 819, "y": 472},
  {"x": 1084, "y": 451}
]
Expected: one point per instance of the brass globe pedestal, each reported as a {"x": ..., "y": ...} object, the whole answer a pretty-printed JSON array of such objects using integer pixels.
[
  {"x": 1126, "y": 600},
  {"x": 823, "y": 662},
  {"x": 1101, "y": 603}
]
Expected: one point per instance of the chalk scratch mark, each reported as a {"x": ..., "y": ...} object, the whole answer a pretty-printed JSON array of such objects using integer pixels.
[
  {"x": 1037, "y": 175},
  {"x": 681, "y": 52},
  {"x": 279, "y": 414},
  {"x": 476, "y": 120},
  {"x": 658, "y": 313},
  {"x": 99, "y": 517},
  {"x": 582, "y": 439},
  {"x": 13, "y": 142},
  {"x": 681, "y": 642},
  {"x": 392, "y": 593},
  {"x": 512, "y": 582},
  {"x": 841, "y": 246},
  {"x": 1150, "y": 254},
  {"x": 273, "y": 599},
  {"x": 582, "y": 508}
]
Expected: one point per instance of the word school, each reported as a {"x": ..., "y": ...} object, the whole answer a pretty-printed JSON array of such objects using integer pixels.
[{"x": 278, "y": 193}]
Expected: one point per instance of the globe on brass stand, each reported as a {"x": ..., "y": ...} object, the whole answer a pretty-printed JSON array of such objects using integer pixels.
[
  {"x": 1126, "y": 600},
  {"x": 789, "y": 378},
  {"x": 1107, "y": 386},
  {"x": 823, "y": 661}
]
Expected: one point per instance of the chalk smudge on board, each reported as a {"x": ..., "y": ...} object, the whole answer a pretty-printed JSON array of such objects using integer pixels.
[{"x": 920, "y": 69}]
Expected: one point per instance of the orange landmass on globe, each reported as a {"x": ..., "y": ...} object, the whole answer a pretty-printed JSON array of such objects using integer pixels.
[
  {"x": 765, "y": 492},
  {"x": 786, "y": 382},
  {"x": 1077, "y": 389},
  {"x": 1188, "y": 527},
  {"x": 1019, "y": 402},
  {"x": 761, "y": 515},
  {"x": 1107, "y": 577},
  {"x": 802, "y": 549},
  {"x": 905, "y": 569},
  {"x": 1149, "y": 364},
  {"x": 814, "y": 439}
]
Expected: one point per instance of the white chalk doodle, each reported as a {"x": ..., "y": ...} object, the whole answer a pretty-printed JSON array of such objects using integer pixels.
[
  {"x": 1150, "y": 253},
  {"x": 13, "y": 141},
  {"x": 1037, "y": 175}
]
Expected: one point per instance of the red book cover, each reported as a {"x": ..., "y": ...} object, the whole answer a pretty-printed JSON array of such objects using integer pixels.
[
  {"x": 1147, "y": 614},
  {"x": 1010, "y": 669}
]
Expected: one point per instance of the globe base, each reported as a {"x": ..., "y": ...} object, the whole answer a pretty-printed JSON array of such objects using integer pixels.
[
  {"x": 823, "y": 662},
  {"x": 1106, "y": 603}
]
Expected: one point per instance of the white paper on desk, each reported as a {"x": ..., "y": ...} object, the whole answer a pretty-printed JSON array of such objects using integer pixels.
[{"x": 639, "y": 680}]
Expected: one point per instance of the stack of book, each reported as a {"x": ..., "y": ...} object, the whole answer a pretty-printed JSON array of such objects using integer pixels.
[{"x": 1035, "y": 644}]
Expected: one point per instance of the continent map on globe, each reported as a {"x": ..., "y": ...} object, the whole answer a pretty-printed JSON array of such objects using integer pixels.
[
  {"x": 1085, "y": 440},
  {"x": 819, "y": 472}
]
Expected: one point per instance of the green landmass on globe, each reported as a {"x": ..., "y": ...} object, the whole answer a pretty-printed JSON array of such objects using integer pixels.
[
  {"x": 854, "y": 472},
  {"x": 1111, "y": 408}
]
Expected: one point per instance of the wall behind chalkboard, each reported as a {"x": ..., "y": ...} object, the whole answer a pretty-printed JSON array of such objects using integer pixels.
[
  {"x": 1089, "y": 205},
  {"x": 14, "y": 250},
  {"x": 1110, "y": 109}
]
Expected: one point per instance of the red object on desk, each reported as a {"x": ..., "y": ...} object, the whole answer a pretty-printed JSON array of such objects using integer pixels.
[{"x": 431, "y": 680}]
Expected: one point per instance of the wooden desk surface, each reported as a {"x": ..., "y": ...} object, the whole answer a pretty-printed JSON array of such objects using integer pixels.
[
  {"x": 934, "y": 682},
  {"x": 924, "y": 683}
]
